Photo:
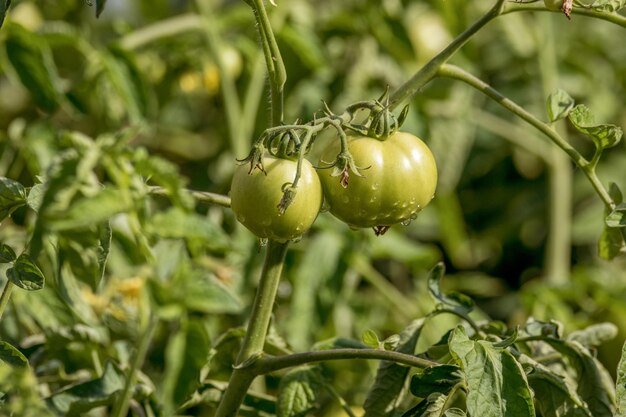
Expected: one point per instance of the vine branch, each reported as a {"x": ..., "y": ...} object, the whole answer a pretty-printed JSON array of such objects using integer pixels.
[{"x": 454, "y": 72}]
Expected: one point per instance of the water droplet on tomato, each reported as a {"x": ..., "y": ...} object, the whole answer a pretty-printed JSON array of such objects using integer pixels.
[
  {"x": 263, "y": 242},
  {"x": 406, "y": 222}
]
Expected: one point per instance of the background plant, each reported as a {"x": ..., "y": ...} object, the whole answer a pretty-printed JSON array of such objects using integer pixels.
[{"x": 166, "y": 98}]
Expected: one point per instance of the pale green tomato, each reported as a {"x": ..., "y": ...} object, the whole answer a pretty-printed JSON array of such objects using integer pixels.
[
  {"x": 399, "y": 177},
  {"x": 255, "y": 198}
]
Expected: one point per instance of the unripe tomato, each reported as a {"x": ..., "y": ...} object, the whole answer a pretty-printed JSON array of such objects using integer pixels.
[
  {"x": 555, "y": 5},
  {"x": 399, "y": 177},
  {"x": 255, "y": 198}
]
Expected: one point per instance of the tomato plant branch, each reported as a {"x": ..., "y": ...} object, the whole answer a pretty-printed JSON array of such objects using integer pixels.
[
  {"x": 6, "y": 295},
  {"x": 270, "y": 364},
  {"x": 162, "y": 29},
  {"x": 232, "y": 105},
  {"x": 454, "y": 72},
  {"x": 429, "y": 71},
  {"x": 273, "y": 60},
  {"x": 202, "y": 196},
  {"x": 616, "y": 18},
  {"x": 258, "y": 326},
  {"x": 121, "y": 407}
]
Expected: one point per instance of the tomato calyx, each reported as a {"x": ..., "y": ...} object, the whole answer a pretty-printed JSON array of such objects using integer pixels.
[
  {"x": 342, "y": 166},
  {"x": 255, "y": 159}
]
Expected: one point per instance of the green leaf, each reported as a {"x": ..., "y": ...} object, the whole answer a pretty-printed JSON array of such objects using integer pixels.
[
  {"x": 432, "y": 406},
  {"x": 28, "y": 54},
  {"x": 617, "y": 218},
  {"x": 311, "y": 279},
  {"x": 559, "y": 105},
  {"x": 435, "y": 379},
  {"x": 391, "y": 378},
  {"x": 604, "y": 135},
  {"x": 620, "y": 385},
  {"x": 458, "y": 302},
  {"x": 7, "y": 254},
  {"x": 78, "y": 399},
  {"x": 187, "y": 352},
  {"x": 298, "y": 392},
  {"x": 10, "y": 355},
  {"x": 4, "y": 8},
  {"x": 25, "y": 274},
  {"x": 35, "y": 197},
  {"x": 370, "y": 338},
  {"x": 595, "y": 385},
  {"x": 609, "y": 6},
  {"x": 100, "y": 7},
  {"x": 496, "y": 384},
  {"x": 12, "y": 196},
  {"x": 87, "y": 211},
  {"x": 553, "y": 396},
  {"x": 176, "y": 223},
  {"x": 594, "y": 335},
  {"x": 611, "y": 241},
  {"x": 304, "y": 43}
]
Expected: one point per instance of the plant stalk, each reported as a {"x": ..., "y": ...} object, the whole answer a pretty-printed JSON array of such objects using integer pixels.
[
  {"x": 258, "y": 326},
  {"x": 615, "y": 18},
  {"x": 273, "y": 59},
  {"x": 6, "y": 295},
  {"x": 121, "y": 408},
  {"x": 429, "y": 71},
  {"x": 454, "y": 72}
]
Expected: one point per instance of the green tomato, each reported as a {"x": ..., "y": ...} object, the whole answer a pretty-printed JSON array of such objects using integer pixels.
[
  {"x": 555, "y": 5},
  {"x": 255, "y": 198},
  {"x": 399, "y": 177}
]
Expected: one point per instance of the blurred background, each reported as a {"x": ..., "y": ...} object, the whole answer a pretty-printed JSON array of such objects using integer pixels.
[{"x": 515, "y": 223}]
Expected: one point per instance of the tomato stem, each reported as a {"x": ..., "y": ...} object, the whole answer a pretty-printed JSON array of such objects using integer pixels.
[
  {"x": 429, "y": 71},
  {"x": 454, "y": 72},
  {"x": 258, "y": 326},
  {"x": 6, "y": 295}
]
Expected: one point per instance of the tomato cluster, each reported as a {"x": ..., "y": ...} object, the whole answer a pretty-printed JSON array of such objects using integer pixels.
[{"x": 395, "y": 178}]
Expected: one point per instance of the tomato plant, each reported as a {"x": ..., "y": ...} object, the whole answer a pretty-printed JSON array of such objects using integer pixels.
[
  {"x": 256, "y": 195},
  {"x": 398, "y": 179}
]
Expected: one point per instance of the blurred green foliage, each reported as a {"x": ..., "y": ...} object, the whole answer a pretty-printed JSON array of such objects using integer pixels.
[{"x": 184, "y": 84}]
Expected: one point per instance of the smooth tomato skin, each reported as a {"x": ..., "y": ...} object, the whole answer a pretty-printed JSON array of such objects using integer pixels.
[
  {"x": 399, "y": 179},
  {"x": 555, "y": 5},
  {"x": 255, "y": 197}
]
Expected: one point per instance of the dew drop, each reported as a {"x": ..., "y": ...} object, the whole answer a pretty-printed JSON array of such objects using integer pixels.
[
  {"x": 406, "y": 222},
  {"x": 297, "y": 239},
  {"x": 345, "y": 199},
  {"x": 373, "y": 200},
  {"x": 263, "y": 242},
  {"x": 413, "y": 216}
]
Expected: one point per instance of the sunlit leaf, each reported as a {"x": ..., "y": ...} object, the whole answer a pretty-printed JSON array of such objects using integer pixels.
[
  {"x": 496, "y": 384},
  {"x": 559, "y": 105},
  {"x": 603, "y": 135},
  {"x": 594, "y": 335},
  {"x": 370, "y": 338},
  {"x": 25, "y": 274}
]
